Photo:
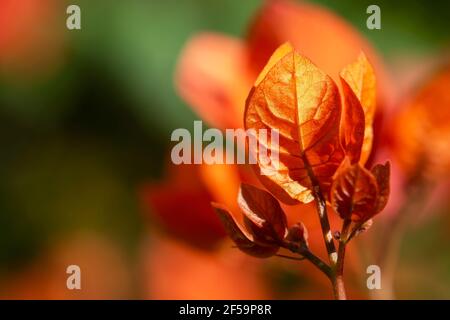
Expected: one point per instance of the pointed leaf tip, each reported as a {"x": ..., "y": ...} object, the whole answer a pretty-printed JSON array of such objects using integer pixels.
[
  {"x": 242, "y": 240},
  {"x": 360, "y": 77},
  {"x": 302, "y": 103},
  {"x": 263, "y": 215},
  {"x": 352, "y": 126}
]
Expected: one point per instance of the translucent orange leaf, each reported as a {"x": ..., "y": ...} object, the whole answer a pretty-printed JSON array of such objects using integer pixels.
[
  {"x": 354, "y": 194},
  {"x": 382, "y": 173},
  {"x": 243, "y": 240},
  {"x": 294, "y": 97},
  {"x": 352, "y": 124},
  {"x": 360, "y": 77},
  {"x": 263, "y": 214}
]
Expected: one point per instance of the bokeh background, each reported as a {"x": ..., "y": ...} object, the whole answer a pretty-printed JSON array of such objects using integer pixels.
[{"x": 85, "y": 123}]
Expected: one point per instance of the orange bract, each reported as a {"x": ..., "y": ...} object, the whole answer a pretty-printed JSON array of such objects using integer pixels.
[
  {"x": 359, "y": 194},
  {"x": 265, "y": 223},
  {"x": 303, "y": 104},
  {"x": 360, "y": 76},
  {"x": 355, "y": 192},
  {"x": 242, "y": 238},
  {"x": 382, "y": 174},
  {"x": 263, "y": 214},
  {"x": 352, "y": 124}
]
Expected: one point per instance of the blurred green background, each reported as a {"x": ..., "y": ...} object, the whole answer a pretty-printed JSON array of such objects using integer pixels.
[{"x": 78, "y": 138}]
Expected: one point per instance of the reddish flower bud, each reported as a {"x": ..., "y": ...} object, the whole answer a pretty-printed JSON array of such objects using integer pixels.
[{"x": 298, "y": 234}]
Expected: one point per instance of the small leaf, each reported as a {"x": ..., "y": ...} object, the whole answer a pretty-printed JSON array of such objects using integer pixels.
[
  {"x": 361, "y": 78},
  {"x": 264, "y": 217},
  {"x": 352, "y": 124},
  {"x": 382, "y": 175},
  {"x": 354, "y": 194},
  {"x": 294, "y": 97},
  {"x": 242, "y": 240}
]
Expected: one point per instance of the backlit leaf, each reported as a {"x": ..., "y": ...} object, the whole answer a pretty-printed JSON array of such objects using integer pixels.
[
  {"x": 354, "y": 194},
  {"x": 361, "y": 79},
  {"x": 241, "y": 238},
  {"x": 303, "y": 104},
  {"x": 264, "y": 217},
  {"x": 352, "y": 124},
  {"x": 382, "y": 174}
]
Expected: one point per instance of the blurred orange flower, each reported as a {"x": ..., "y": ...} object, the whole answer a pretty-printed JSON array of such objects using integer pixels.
[
  {"x": 422, "y": 129},
  {"x": 181, "y": 205},
  {"x": 215, "y": 72}
]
